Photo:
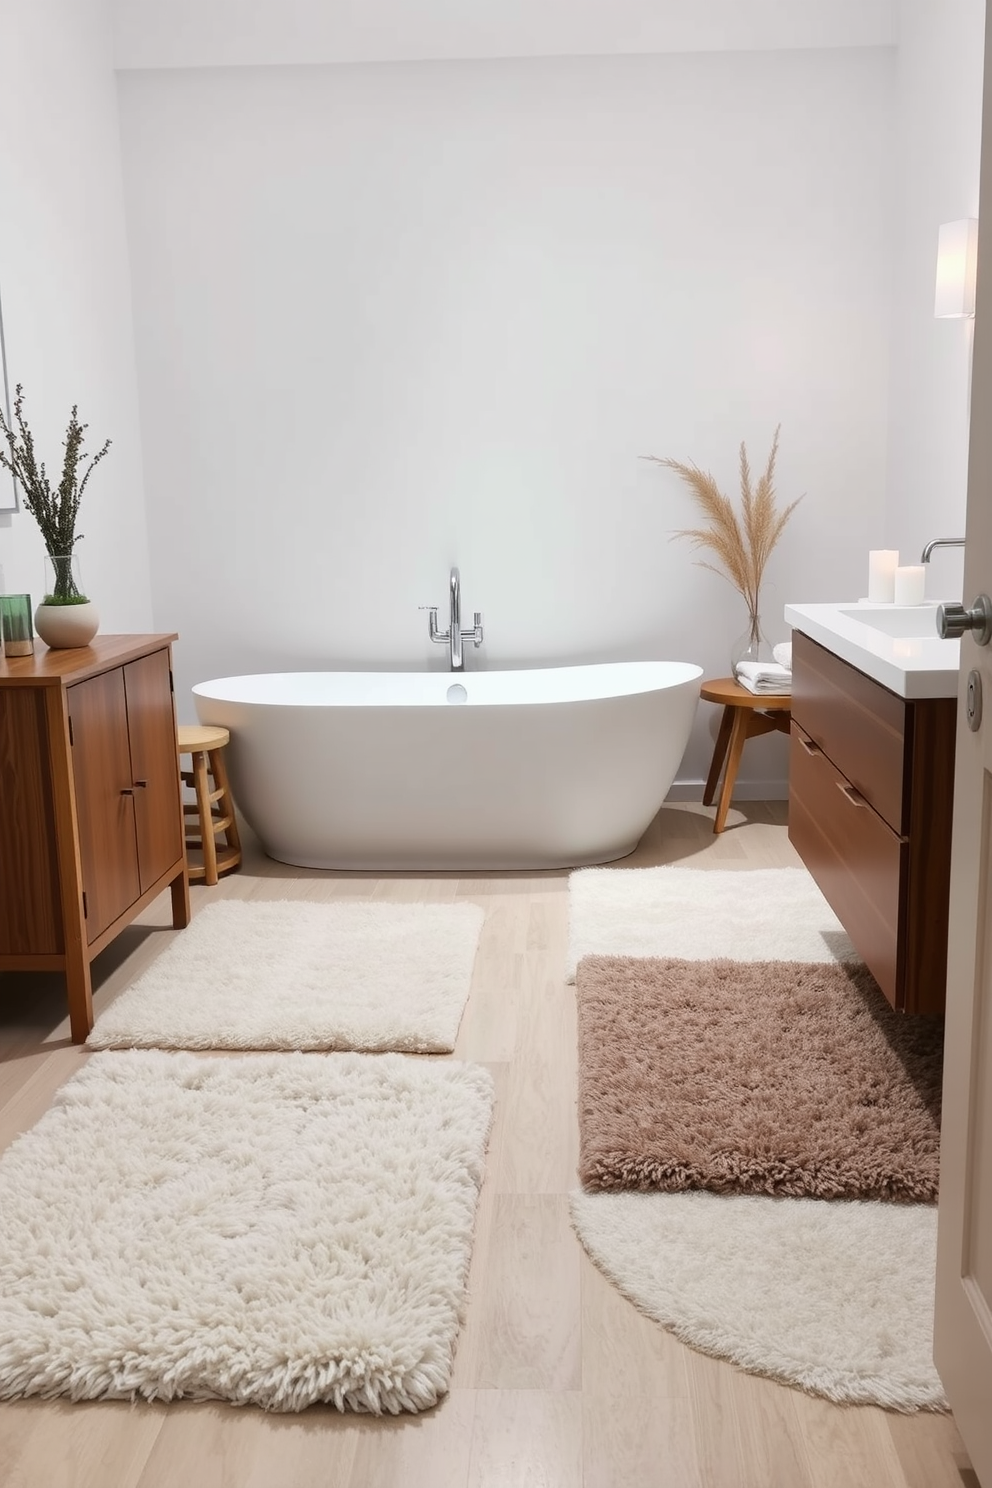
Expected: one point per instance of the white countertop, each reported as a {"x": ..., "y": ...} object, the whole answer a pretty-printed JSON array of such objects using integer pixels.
[{"x": 897, "y": 645}]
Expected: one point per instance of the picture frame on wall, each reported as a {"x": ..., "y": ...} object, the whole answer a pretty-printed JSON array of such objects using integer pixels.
[{"x": 8, "y": 485}]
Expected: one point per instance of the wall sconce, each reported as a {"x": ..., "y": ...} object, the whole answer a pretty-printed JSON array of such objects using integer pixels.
[{"x": 957, "y": 260}]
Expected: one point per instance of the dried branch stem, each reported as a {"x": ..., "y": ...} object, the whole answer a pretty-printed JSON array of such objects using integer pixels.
[{"x": 741, "y": 545}]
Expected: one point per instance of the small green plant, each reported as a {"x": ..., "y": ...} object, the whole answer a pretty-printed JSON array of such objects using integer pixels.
[{"x": 55, "y": 510}]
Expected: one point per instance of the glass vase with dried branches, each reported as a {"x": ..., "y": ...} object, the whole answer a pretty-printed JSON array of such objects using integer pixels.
[
  {"x": 741, "y": 545},
  {"x": 54, "y": 507}
]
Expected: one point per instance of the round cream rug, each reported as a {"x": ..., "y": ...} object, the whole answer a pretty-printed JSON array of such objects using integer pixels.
[{"x": 834, "y": 1297}]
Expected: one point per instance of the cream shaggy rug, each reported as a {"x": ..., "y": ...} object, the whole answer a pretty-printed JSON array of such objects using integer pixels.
[
  {"x": 285, "y": 974},
  {"x": 834, "y": 1297},
  {"x": 751, "y": 914},
  {"x": 273, "y": 1230}
]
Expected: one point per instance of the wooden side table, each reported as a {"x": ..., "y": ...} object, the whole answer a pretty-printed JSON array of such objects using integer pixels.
[{"x": 745, "y": 716}]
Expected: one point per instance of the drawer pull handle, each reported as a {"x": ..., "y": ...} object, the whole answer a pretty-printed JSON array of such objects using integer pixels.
[
  {"x": 809, "y": 746},
  {"x": 854, "y": 796}
]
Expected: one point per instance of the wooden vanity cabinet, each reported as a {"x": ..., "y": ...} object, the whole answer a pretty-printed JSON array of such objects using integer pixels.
[
  {"x": 91, "y": 826},
  {"x": 871, "y": 782}
]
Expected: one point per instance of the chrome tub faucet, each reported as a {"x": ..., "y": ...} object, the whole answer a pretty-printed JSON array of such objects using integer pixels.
[{"x": 454, "y": 635}]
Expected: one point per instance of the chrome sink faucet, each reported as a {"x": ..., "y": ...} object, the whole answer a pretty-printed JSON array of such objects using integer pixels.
[
  {"x": 454, "y": 635},
  {"x": 941, "y": 542}
]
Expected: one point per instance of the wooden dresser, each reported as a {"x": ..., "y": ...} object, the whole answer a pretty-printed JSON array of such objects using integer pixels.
[
  {"x": 871, "y": 784},
  {"x": 90, "y": 816}
]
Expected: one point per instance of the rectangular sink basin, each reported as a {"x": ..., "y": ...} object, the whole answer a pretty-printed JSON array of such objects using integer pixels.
[
  {"x": 904, "y": 621},
  {"x": 897, "y": 645}
]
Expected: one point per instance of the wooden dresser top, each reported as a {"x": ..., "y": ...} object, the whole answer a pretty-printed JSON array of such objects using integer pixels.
[{"x": 47, "y": 668}]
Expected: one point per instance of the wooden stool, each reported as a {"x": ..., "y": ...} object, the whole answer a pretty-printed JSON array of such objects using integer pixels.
[
  {"x": 206, "y": 745},
  {"x": 745, "y": 716}
]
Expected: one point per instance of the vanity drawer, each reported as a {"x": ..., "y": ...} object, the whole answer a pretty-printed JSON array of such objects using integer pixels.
[
  {"x": 859, "y": 724},
  {"x": 855, "y": 857}
]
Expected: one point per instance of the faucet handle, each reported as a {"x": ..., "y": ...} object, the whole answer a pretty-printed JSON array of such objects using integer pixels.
[
  {"x": 477, "y": 632},
  {"x": 441, "y": 636}
]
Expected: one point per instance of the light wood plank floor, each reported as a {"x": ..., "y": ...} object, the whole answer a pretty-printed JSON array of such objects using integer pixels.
[{"x": 558, "y": 1382}]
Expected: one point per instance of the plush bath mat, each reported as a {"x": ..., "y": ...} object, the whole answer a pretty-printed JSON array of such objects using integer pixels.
[
  {"x": 752, "y": 914},
  {"x": 763, "y": 1077},
  {"x": 836, "y": 1298},
  {"x": 272, "y": 1230},
  {"x": 285, "y": 974}
]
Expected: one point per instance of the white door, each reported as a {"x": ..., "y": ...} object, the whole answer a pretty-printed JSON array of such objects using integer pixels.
[{"x": 963, "y": 1323}]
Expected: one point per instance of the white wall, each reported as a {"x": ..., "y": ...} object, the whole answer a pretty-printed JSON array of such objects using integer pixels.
[
  {"x": 546, "y": 269},
  {"x": 393, "y": 317},
  {"x": 64, "y": 282},
  {"x": 938, "y": 136},
  {"x": 219, "y": 33}
]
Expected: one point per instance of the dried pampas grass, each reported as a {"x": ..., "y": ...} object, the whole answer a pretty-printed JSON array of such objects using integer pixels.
[{"x": 742, "y": 545}]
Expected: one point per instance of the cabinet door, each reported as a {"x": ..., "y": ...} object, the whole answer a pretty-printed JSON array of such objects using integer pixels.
[
  {"x": 30, "y": 895},
  {"x": 101, "y": 769},
  {"x": 154, "y": 765},
  {"x": 855, "y": 857},
  {"x": 858, "y": 724}
]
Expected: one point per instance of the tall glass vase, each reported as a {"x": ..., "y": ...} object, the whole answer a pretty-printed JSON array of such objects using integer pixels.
[
  {"x": 751, "y": 645},
  {"x": 62, "y": 581}
]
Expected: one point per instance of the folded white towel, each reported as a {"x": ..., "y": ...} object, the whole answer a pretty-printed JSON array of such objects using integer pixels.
[
  {"x": 763, "y": 671},
  {"x": 783, "y": 654},
  {"x": 767, "y": 689},
  {"x": 767, "y": 677}
]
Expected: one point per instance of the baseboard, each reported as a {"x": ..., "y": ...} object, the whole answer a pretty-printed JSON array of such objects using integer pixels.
[{"x": 744, "y": 790}]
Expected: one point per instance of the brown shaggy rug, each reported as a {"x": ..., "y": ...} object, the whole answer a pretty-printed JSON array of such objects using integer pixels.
[{"x": 760, "y": 1077}]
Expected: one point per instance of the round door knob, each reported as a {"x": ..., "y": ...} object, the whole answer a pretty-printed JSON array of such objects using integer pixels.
[{"x": 953, "y": 620}]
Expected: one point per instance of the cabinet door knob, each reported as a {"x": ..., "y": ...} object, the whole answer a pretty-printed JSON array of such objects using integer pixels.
[
  {"x": 141, "y": 783},
  {"x": 127, "y": 791},
  {"x": 854, "y": 796}
]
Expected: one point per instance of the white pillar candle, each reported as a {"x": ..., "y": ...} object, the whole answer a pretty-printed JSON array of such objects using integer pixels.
[
  {"x": 882, "y": 564},
  {"x": 909, "y": 584}
]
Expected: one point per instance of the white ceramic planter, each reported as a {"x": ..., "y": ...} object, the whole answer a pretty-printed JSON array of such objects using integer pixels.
[{"x": 65, "y": 626}]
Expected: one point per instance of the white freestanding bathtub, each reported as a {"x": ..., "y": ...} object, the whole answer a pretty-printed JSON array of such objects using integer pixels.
[{"x": 555, "y": 767}]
